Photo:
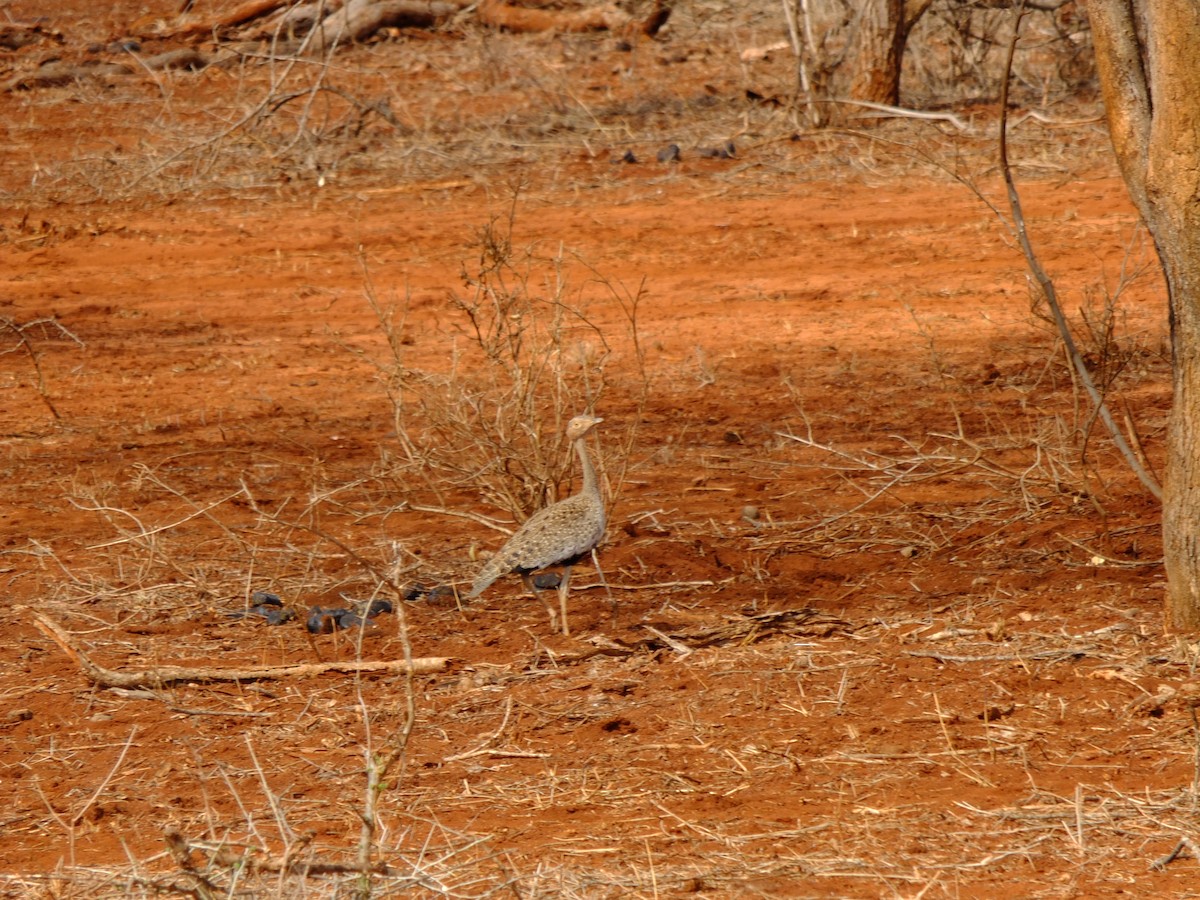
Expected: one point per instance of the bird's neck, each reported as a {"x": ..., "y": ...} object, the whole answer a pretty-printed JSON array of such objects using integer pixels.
[{"x": 590, "y": 485}]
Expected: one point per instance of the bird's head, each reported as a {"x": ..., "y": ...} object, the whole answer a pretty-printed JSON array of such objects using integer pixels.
[{"x": 580, "y": 426}]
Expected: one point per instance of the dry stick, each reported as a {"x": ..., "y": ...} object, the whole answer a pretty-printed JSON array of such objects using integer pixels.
[
  {"x": 1111, "y": 560},
  {"x": 461, "y": 514},
  {"x": 78, "y": 817},
  {"x": 1047, "y": 286},
  {"x": 1174, "y": 854},
  {"x": 259, "y": 109},
  {"x": 242, "y": 14},
  {"x": 19, "y": 331},
  {"x": 181, "y": 852},
  {"x": 378, "y": 767},
  {"x": 144, "y": 532},
  {"x": 905, "y": 113},
  {"x": 162, "y": 675},
  {"x": 486, "y": 743},
  {"x": 647, "y": 587}
]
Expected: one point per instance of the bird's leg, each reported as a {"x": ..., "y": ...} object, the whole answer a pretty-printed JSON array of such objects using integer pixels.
[
  {"x": 532, "y": 588},
  {"x": 564, "y": 579},
  {"x": 612, "y": 601}
]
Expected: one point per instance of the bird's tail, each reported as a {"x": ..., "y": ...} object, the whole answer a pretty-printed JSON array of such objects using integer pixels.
[{"x": 495, "y": 567}]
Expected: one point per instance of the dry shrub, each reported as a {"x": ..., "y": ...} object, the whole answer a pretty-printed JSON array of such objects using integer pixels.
[
  {"x": 955, "y": 53},
  {"x": 527, "y": 352}
]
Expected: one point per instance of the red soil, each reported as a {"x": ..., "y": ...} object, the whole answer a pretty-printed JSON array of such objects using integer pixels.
[{"x": 964, "y": 715}]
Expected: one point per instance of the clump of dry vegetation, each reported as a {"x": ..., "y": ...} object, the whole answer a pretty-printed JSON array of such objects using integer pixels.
[
  {"x": 526, "y": 352},
  {"x": 903, "y": 639}
]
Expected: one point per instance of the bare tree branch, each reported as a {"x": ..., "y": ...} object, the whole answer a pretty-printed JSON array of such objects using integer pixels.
[{"x": 1047, "y": 285}]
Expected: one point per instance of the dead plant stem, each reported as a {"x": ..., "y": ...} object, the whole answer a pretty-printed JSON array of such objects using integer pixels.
[{"x": 1044, "y": 281}]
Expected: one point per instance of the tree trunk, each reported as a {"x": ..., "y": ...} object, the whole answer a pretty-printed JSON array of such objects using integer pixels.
[
  {"x": 868, "y": 68},
  {"x": 876, "y": 49},
  {"x": 1147, "y": 54},
  {"x": 360, "y": 18}
]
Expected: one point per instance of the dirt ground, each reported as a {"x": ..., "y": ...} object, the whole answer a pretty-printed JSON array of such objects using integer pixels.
[{"x": 881, "y": 609}]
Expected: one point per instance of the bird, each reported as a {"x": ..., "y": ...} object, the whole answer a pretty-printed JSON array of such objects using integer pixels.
[{"x": 561, "y": 534}]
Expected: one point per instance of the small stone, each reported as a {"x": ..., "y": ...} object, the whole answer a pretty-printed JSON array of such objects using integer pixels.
[
  {"x": 750, "y": 513},
  {"x": 379, "y": 606},
  {"x": 442, "y": 595},
  {"x": 322, "y": 620},
  {"x": 347, "y": 619},
  {"x": 725, "y": 151},
  {"x": 274, "y": 615}
]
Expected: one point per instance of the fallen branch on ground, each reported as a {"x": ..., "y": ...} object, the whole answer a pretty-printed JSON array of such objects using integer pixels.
[
  {"x": 359, "y": 19},
  {"x": 201, "y": 28},
  {"x": 606, "y": 17},
  {"x": 162, "y": 675},
  {"x": 317, "y": 29},
  {"x": 58, "y": 74},
  {"x": 738, "y": 632}
]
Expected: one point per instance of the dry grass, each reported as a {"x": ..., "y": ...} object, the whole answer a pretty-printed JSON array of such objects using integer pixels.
[
  {"x": 259, "y": 126},
  {"x": 956, "y": 722},
  {"x": 527, "y": 353}
]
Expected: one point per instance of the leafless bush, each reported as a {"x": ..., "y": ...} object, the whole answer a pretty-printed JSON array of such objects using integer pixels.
[
  {"x": 953, "y": 52},
  {"x": 526, "y": 352},
  {"x": 956, "y": 53}
]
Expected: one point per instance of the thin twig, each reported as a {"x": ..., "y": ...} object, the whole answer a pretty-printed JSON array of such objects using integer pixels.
[
  {"x": 23, "y": 340},
  {"x": 78, "y": 817},
  {"x": 147, "y": 532},
  {"x": 1047, "y": 285},
  {"x": 158, "y": 676},
  {"x": 1184, "y": 842},
  {"x": 1123, "y": 563}
]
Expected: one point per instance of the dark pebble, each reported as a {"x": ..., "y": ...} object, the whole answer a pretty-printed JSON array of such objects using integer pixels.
[
  {"x": 322, "y": 620},
  {"x": 442, "y": 595},
  {"x": 348, "y": 619},
  {"x": 268, "y": 606},
  {"x": 379, "y": 606},
  {"x": 670, "y": 153},
  {"x": 725, "y": 151},
  {"x": 274, "y": 614}
]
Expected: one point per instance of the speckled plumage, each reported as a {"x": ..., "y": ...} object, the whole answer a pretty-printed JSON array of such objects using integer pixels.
[{"x": 559, "y": 535}]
